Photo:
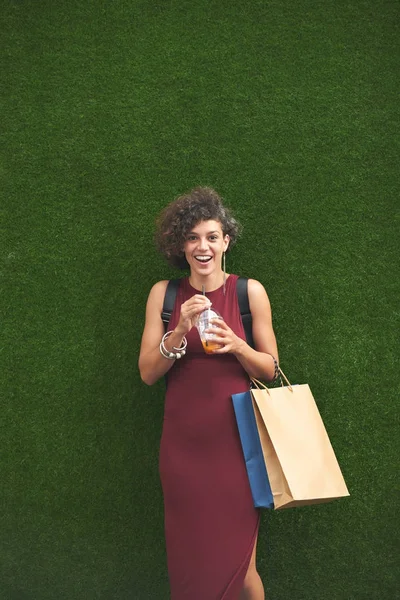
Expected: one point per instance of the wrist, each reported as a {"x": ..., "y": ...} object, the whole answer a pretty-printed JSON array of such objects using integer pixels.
[
  {"x": 276, "y": 371},
  {"x": 180, "y": 333},
  {"x": 174, "y": 340},
  {"x": 240, "y": 347}
]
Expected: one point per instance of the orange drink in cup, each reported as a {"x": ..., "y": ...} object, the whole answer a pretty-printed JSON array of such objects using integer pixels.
[
  {"x": 203, "y": 323},
  {"x": 210, "y": 346}
]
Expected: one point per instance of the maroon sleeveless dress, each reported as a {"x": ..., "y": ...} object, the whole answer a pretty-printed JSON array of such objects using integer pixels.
[{"x": 210, "y": 520}]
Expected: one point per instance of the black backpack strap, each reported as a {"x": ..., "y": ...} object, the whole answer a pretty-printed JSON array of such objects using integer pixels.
[
  {"x": 244, "y": 306},
  {"x": 169, "y": 301}
]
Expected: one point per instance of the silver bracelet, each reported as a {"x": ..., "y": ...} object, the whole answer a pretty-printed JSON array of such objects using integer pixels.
[{"x": 172, "y": 355}]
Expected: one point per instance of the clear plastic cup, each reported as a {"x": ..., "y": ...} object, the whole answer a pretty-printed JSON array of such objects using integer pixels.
[{"x": 203, "y": 323}]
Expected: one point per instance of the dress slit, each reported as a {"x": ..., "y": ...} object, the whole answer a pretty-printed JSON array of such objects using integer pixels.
[{"x": 236, "y": 584}]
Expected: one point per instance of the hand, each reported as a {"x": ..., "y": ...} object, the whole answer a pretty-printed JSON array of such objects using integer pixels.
[
  {"x": 190, "y": 311},
  {"x": 225, "y": 336}
]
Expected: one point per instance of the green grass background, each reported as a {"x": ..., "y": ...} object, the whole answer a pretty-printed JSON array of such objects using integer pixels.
[{"x": 111, "y": 109}]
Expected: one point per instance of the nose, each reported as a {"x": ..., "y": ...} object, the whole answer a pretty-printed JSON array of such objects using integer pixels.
[{"x": 203, "y": 246}]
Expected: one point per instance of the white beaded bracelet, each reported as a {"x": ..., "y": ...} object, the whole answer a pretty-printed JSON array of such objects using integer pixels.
[{"x": 172, "y": 355}]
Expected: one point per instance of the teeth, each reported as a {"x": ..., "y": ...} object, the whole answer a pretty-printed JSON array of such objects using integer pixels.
[{"x": 203, "y": 258}]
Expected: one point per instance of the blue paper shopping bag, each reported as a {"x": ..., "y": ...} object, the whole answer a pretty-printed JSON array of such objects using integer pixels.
[{"x": 253, "y": 455}]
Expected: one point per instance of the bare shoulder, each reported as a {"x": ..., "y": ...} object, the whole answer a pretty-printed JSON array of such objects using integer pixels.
[
  {"x": 159, "y": 287},
  {"x": 157, "y": 293},
  {"x": 257, "y": 291}
]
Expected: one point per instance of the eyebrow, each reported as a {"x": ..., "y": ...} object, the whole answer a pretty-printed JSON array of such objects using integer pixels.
[{"x": 208, "y": 232}]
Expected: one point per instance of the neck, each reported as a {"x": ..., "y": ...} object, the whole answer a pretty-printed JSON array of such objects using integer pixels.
[{"x": 210, "y": 282}]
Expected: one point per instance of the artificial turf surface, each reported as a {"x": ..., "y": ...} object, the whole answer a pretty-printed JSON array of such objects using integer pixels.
[{"x": 110, "y": 110}]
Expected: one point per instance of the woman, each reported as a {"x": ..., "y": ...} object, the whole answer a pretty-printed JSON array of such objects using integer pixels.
[{"x": 211, "y": 524}]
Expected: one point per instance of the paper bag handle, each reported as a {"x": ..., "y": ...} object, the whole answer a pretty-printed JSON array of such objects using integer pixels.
[{"x": 259, "y": 384}]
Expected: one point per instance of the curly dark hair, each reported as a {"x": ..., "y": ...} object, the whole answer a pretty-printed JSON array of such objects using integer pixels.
[{"x": 184, "y": 213}]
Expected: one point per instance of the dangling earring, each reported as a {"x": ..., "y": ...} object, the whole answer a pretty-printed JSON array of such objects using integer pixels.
[{"x": 224, "y": 269}]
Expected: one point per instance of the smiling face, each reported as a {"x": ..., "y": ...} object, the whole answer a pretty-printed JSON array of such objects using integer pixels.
[{"x": 204, "y": 247}]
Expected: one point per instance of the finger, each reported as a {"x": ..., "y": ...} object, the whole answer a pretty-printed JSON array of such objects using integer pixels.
[
  {"x": 190, "y": 305},
  {"x": 198, "y": 305},
  {"x": 198, "y": 309},
  {"x": 190, "y": 314},
  {"x": 201, "y": 297},
  {"x": 219, "y": 323},
  {"x": 219, "y": 340},
  {"x": 198, "y": 298},
  {"x": 222, "y": 350},
  {"x": 217, "y": 332}
]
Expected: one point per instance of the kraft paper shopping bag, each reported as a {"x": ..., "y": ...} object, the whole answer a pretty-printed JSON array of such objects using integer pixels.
[{"x": 301, "y": 464}]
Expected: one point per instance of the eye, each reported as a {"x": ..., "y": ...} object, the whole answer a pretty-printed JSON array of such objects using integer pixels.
[
  {"x": 191, "y": 238},
  {"x": 213, "y": 237}
]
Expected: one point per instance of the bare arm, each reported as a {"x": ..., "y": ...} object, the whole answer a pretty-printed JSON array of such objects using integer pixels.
[
  {"x": 152, "y": 365},
  {"x": 259, "y": 362}
]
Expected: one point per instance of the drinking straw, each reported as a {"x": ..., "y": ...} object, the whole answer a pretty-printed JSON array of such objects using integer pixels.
[{"x": 203, "y": 291}]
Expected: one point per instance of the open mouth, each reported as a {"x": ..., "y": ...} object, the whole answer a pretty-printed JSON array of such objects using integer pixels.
[{"x": 203, "y": 259}]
